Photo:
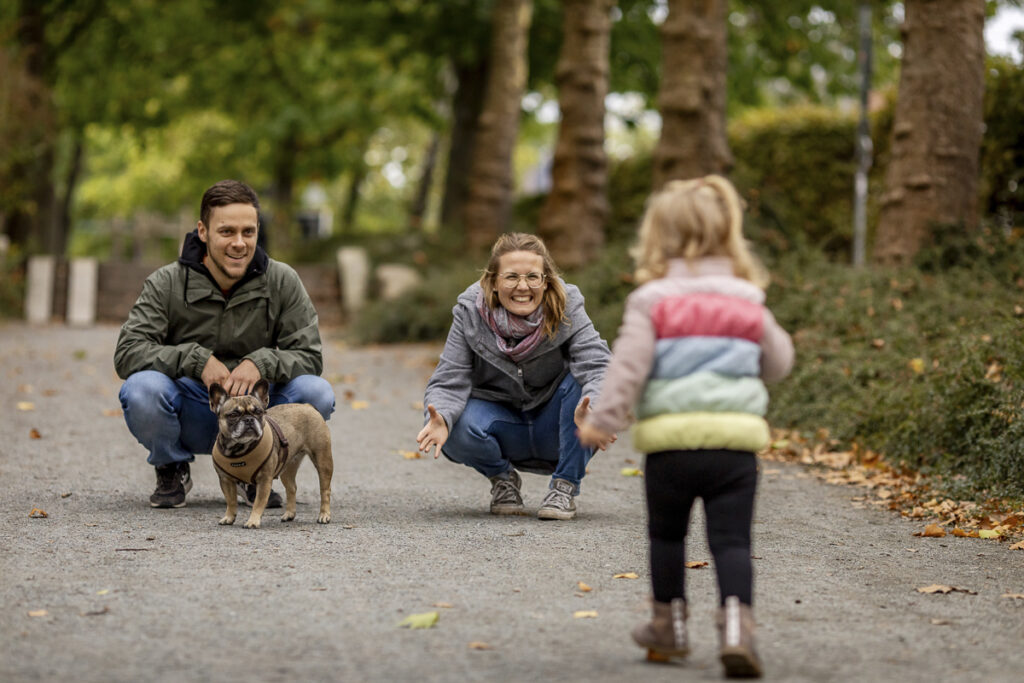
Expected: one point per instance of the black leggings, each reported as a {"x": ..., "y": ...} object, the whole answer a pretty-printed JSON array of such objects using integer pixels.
[{"x": 726, "y": 481}]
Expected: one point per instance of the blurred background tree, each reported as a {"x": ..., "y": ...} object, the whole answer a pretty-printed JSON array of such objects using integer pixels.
[{"x": 359, "y": 118}]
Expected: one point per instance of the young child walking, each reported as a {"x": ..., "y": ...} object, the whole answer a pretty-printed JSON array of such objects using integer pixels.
[{"x": 695, "y": 345}]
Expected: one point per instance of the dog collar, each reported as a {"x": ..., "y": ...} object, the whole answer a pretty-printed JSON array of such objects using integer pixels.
[{"x": 244, "y": 467}]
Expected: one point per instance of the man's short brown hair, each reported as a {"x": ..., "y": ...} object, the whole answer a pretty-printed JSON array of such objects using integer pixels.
[{"x": 223, "y": 193}]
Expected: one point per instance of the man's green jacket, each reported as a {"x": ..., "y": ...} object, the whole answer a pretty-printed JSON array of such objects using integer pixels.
[{"x": 182, "y": 317}]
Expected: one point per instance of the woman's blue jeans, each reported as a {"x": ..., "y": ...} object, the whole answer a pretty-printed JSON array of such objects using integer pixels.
[
  {"x": 172, "y": 418},
  {"x": 493, "y": 438}
]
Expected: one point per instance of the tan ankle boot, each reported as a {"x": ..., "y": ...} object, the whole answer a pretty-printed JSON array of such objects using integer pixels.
[
  {"x": 736, "y": 633},
  {"x": 664, "y": 635}
]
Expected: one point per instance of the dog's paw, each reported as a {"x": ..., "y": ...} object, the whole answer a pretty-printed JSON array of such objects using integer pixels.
[
  {"x": 226, "y": 520},
  {"x": 324, "y": 518},
  {"x": 252, "y": 524},
  {"x": 288, "y": 516}
]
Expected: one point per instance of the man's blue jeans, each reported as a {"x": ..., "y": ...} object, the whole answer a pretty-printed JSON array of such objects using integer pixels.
[
  {"x": 493, "y": 438},
  {"x": 172, "y": 418}
]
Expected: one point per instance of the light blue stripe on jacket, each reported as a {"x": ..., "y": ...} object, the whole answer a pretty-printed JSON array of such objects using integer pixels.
[
  {"x": 703, "y": 392},
  {"x": 681, "y": 356}
]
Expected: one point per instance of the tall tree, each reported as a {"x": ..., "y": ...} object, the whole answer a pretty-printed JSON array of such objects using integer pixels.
[
  {"x": 489, "y": 194},
  {"x": 573, "y": 216},
  {"x": 693, "y": 92},
  {"x": 937, "y": 128}
]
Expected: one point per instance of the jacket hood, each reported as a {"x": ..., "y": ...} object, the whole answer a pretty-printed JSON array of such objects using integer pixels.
[{"x": 194, "y": 249}]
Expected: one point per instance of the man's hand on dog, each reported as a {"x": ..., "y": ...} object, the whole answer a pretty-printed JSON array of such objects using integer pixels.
[{"x": 237, "y": 382}]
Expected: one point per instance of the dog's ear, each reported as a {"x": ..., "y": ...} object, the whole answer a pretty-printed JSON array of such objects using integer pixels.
[
  {"x": 217, "y": 397},
  {"x": 262, "y": 391}
]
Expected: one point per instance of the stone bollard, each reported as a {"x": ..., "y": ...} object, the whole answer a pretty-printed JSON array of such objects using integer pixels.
[
  {"x": 83, "y": 279},
  {"x": 394, "y": 279},
  {"x": 39, "y": 289},
  {"x": 354, "y": 276}
]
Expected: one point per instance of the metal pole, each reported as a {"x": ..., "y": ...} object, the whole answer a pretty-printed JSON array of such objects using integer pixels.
[{"x": 864, "y": 148}]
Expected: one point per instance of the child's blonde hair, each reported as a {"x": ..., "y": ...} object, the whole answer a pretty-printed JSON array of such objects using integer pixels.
[{"x": 691, "y": 219}]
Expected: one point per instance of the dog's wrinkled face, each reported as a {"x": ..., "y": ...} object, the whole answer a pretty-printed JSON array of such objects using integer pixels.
[{"x": 240, "y": 418}]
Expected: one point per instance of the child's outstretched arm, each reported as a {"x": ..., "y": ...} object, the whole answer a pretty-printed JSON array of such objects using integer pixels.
[
  {"x": 632, "y": 359},
  {"x": 776, "y": 350}
]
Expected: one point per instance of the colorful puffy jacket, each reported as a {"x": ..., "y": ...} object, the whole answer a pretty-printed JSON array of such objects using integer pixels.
[{"x": 690, "y": 357}]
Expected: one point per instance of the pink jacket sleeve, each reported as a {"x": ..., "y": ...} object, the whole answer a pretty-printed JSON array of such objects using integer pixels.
[
  {"x": 776, "y": 350},
  {"x": 632, "y": 359}
]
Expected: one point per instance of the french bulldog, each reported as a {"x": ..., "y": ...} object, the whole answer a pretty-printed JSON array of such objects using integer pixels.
[{"x": 257, "y": 444}]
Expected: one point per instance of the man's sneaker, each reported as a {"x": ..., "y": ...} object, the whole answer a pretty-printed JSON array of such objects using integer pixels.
[
  {"x": 172, "y": 483},
  {"x": 558, "y": 504},
  {"x": 505, "y": 496},
  {"x": 247, "y": 494}
]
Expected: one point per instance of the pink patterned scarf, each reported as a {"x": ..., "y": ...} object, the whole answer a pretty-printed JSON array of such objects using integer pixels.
[{"x": 516, "y": 336}]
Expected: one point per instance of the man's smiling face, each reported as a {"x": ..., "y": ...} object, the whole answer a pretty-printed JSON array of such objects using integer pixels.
[{"x": 230, "y": 242}]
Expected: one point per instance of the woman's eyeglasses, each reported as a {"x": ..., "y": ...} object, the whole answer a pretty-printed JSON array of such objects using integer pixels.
[{"x": 511, "y": 280}]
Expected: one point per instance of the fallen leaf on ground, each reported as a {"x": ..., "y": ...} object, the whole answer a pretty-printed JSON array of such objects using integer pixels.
[
  {"x": 964, "y": 534},
  {"x": 34, "y": 434},
  {"x": 631, "y": 472},
  {"x": 360, "y": 405},
  {"x": 103, "y": 592},
  {"x": 932, "y": 531},
  {"x": 36, "y": 513},
  {"x": 66, "y": 494},
  {"x": 445, "y": 605},
  {"x": 584, "y": 587},
  {"x": 878, "y": 343},
  {"x": 939, "y": 588},
  {"x": 585, "y": 614},
  {"x": 477, "y": 645},
  {"x": 410, "y": 455},
  {"x": 26, "y": 405},
  {"x": 696, "y": 565},
  {"x": 988, "y": 533},
  {"x": 1017, "y": 546},
  {"x": 1014, "y": 596},
  {"x": 626, "y": 575},
  {"x": 38, "y": 613},
  {"x": 422, "y": 620},
  {"x": 941, "y": 622},
  {"x": 917, "y": 365}
]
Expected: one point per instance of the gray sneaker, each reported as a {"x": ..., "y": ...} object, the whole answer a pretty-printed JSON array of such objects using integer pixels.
[
  {"x": 505, "y": 496},
  {"x": 559, "y": 503}
]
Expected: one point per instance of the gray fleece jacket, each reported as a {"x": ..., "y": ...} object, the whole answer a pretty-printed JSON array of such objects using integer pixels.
[{"x": 471, "y": 364}]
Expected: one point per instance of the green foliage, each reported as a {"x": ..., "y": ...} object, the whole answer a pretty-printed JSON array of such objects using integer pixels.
[
  {"x": 795, "y": 167},
  {"x": 925, "y": 366},
  {"x": 1002, "y": 150},
  {"x": 423, "y": 314}
]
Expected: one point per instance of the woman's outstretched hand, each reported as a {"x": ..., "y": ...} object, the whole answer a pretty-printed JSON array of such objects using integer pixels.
[
  {"x": 434, "y": 433},
  {"x": 588, "y": 434}
]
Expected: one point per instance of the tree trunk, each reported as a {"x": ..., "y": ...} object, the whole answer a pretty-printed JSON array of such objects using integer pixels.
[
  {"x": 418, "y": 208},
  {"x": 74, "y": 170},
  {"x": 33, "y": 225},
  {"x": 466, "y": 106},
  {"x": 573, "y": 216},
  {"x": 932, "y": 177},
  {"x": 283, "y": 194},
  {"x": 489, "y": 196},
  {"x": 692, "y": 98}
]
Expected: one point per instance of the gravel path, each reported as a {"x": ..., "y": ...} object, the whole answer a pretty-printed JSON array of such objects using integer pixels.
[{"x": 107, "y": 589}]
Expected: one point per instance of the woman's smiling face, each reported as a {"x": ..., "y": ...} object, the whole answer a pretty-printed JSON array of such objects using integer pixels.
[{"x": 520, "y": 300}]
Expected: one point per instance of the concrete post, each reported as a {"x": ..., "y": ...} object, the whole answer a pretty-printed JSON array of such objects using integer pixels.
[
  {"x": 39, "y": 290},
  {"x": 83, "y": 279},
  {"x": 354, "y": 276}
]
